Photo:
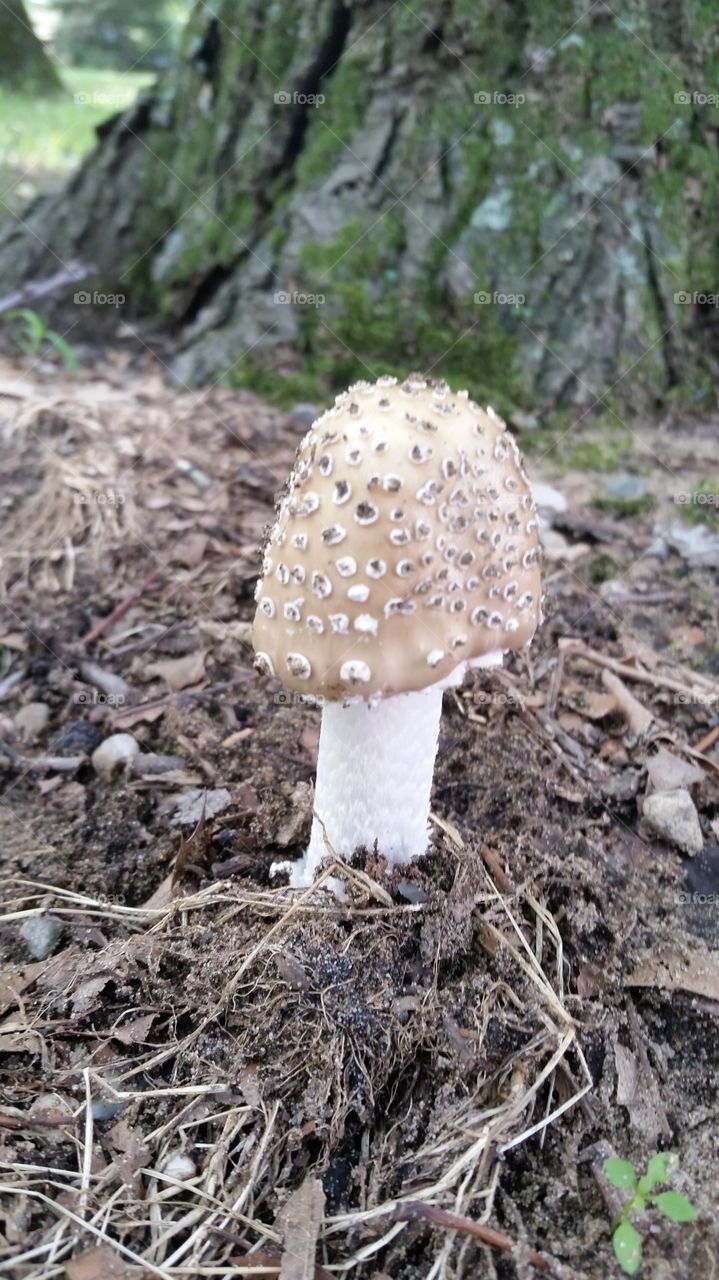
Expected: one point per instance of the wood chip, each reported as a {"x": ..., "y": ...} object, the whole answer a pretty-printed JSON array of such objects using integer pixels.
[{"x": 299, "y": 1220}]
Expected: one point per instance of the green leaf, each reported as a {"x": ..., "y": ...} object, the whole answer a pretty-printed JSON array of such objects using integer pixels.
[
  {"x": 675, "y": 1206},
  {"x": 627, "y": 1247},
  {"x": 656, "y": 1171},
  {"x": 620, "y": 1173},
  {"x": 65, "y": 350}
]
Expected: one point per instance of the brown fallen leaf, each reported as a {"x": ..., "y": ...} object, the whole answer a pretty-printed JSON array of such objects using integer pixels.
[
  {"x": 190, "y": 550},
  {"x": 670, "y": 971},
  {"x": 299, "y": 1221},
  {"x": 179, "y": 673},
  {"x": 595, "y": 705},
  {"x": 135, "y": 1031},
  {"x": 20, "y": 1041},
  {"x": 146, "y": 713},
  {"x": 687, "y": 638},
  {"x": 637, "y": 1090},
  {"x": 15, "y": 640},
  {"x": 194, "y": 850},
  {"x": 100, "y": 1262},
  {"x": 130, "y": 1154},
  {"x": 84, "y": 996},
  {"x": 667, "y": 771},
  {"x": 12, "y": 984}
]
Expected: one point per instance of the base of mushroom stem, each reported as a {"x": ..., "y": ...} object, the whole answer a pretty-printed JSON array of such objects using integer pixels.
[{"x": 374, "y": 778}]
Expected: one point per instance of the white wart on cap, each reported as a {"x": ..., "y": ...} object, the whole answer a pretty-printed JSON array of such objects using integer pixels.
[{"x": 406, "y": 545}]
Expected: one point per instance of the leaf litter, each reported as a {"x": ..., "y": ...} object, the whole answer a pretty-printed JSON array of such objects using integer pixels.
[{"x": 407, "y": 1082}]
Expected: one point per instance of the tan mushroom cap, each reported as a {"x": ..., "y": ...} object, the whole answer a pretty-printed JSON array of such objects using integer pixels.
[{"x": 406, "y": 544}]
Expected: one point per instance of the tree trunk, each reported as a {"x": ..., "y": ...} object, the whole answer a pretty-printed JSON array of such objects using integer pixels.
[
  {"x": 24, "y": 63},
  {"x": 511, "y": 196}
]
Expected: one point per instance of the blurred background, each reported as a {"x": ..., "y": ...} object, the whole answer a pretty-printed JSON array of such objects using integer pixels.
[{"x": 518, "y": 196}]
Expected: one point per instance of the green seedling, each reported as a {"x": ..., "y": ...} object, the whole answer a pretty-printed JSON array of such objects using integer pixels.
[
  {"x": 625, "y": 1237},
  {"x": 33, "y": 333}
]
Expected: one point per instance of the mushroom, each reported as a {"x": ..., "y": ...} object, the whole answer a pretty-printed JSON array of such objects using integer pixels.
[{"x": 404, "y": 552}]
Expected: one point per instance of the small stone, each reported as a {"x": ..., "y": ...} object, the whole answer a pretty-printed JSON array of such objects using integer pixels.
[
  {"x": 77, "y": 737},
  {"x": 179, "y": 1166},
  {"x": 625, "y": 488},
  {"x": 673, "y": 816},
  {"x": 413, "y": 893},
  {"x": 106, "y": 1110},
  {"x": 114, "y": 754},
  {"x": 694, "y": 543},
  {"x": 41, "y": 935},
  {"x": 190, "y": 808},
  {"x": 304, "y": 414},
  {"x": 31, "y": 721}
]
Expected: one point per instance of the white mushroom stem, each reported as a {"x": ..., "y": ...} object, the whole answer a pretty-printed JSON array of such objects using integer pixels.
[
  {"x": 374, "y": 778},
  {"x": 374, "y": 775}
]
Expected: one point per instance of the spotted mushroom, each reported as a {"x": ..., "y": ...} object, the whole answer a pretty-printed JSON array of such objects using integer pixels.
[{"x": 404, "y": 552}]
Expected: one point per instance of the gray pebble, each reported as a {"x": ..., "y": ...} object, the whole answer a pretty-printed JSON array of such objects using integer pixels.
[{"x": 41, "y": 935}]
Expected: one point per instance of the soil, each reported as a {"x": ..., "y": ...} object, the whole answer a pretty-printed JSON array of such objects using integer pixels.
[{"x": 207, "y": 1060}]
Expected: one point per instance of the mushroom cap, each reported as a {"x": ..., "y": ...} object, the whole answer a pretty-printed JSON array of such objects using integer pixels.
[{"x": 406, "y": 545}]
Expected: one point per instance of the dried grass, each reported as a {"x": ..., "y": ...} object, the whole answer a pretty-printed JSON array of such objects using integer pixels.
[{"x": 244, "y": 1140}]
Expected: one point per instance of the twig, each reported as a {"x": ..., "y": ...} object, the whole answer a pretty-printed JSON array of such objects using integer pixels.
[
  {"x": 416, "y": 1211},
  {"x": 39, "y": 288},
  {"x": 707, "y": 741},
  {"x": 106, "y": 623}
]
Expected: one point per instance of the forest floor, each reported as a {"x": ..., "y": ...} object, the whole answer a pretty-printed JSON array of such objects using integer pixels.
[{"x": 206, "y": 1074}]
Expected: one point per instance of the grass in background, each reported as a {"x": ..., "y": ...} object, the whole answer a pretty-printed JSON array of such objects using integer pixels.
[{"x": 43, "y": 139}]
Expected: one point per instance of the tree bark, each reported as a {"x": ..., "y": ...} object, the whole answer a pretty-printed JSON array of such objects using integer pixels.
[
  {"x": 509, "y": 196},
  {"x": 24, "y": 64}
]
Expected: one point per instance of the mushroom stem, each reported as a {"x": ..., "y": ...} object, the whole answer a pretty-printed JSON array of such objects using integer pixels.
[{"x": 374, "y": 778}]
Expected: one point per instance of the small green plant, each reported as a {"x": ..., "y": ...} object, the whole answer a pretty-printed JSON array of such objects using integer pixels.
[
  {"x": 625, "y": 1237},
  {"x": 33, "y": 333}
]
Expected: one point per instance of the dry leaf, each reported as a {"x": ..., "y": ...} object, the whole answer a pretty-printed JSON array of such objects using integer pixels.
[
  {"x": 20, "y": 1042},
  {"x": 670, "y": 971},
  {"x": 178, "y": 673},
  {"x": 595, "y": 706},
  {"x": 135, "y": 1031},
  {"x": 131, "y": 1154},
  {"x": 687, "y": 638},
  {"x": 101, "y": 1263},
  {"x": 667, "y": 771},
  {"x": 146, "y": 714},
  {"x": 190, "y": 550},
  {"x": 299, "y": 1220},
  {"x": 637, "y": 1090},
  {"x": 83, "y": 998},
  {"x": 14, "y": 640}
]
